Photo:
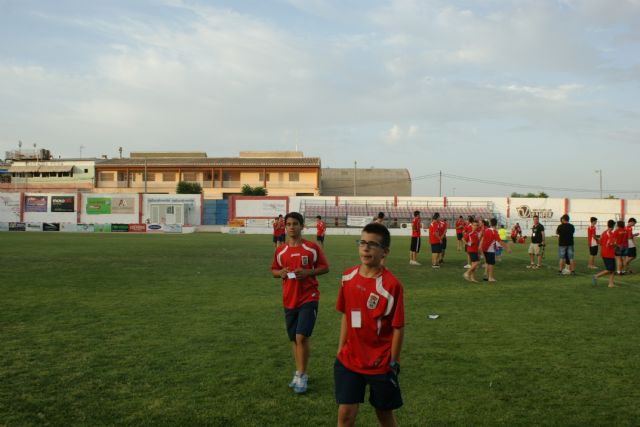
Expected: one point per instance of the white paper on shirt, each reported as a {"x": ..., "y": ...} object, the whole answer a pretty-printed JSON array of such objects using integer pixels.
[
  {"x": 291, "y": 275},
  {"x": 356, "y": 319}
]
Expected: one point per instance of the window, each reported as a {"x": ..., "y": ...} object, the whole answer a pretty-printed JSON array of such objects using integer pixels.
[
  {"x": 189, "y": 176},
  {"x": 168, "y": 176},
  {"x": 151, "y": 176},
  {"x": 86, "y": 171},
  {"x": 261, "y": 178},
  {"x": 122, "y": 176},
  {"x": 106, "y": 176},
  {"x": 294, "y": 176}
]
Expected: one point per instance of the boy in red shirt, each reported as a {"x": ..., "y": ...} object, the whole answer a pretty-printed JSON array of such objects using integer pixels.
[
  {"x": 371, "y": 332},
  {"x": 435, "y": 240},
  {"x": 321, "y": 228},
  {"x": 297, "y": 263},
  {"x": 622, "y": 244},
  {"x": 460, "y": 226},
  {"x": 631, "y": 250},
  {"x": 444, "y": 226},
  {"x": 416, "y": 225},
  {"x": 608, "y": 253},
  {"x": 472, "y": 241},
  {"x": 489, "y": 243},
  {"x": 592, "y": 241},
  {"x": 276, "y": 230}
]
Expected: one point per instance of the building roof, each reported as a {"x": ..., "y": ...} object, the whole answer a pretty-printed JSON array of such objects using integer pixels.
[
  {"x": 212, "y": 162},
  {"x": 167, "y": 154},
  {"x": 40, "y": 168}
]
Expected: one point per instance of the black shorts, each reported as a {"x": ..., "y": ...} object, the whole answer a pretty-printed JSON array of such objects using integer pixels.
[
  {"x": 275, "y": 239},
  {"x": 621, "y": 251},
  {"x": 631, "y": 252},
  {"x": 282, "y": 237},
  {"x": 301, "y": 320},
  {"x": 459, "y": 236},
  {"x": 490, "y": 258},
  {"x": 415, "y": 244},
  {"x": 593, "y": 250},
  {"x": 473, "y": 256},
  {"x": 320, "y": 238},
  {"x": 384, "y": 389},
  {"x": 436, "y": 249},
  {"x": 609, "y": 264},
  {"x": 444, "y": 243}
]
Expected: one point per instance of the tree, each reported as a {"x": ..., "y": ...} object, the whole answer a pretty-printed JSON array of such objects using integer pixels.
[
  {"x": 248, "y": 190},
  {"x": 185, "y": 187},
  {"x": 540, "y": 195}
]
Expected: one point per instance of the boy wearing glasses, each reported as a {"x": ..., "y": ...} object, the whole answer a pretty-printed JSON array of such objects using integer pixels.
[
  {"x": 371, "y": 332},
  {"x": 297, "y": 263}
]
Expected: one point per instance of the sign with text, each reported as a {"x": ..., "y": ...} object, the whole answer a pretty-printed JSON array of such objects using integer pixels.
[
  {"x": 62, "y": 203},
  {"x": 119, "y": 228},
  {"x": 36, "y": 203},
  {"x": 122, "y": 205},
  {"x": 51, "y": 226},
  {"x": 17, "y": 226},
  {"x": 137, "y": 228},
  {"x": 98, "y": 206}
]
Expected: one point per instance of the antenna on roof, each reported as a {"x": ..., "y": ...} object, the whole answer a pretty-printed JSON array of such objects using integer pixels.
[{"x": 120, "y": 150}]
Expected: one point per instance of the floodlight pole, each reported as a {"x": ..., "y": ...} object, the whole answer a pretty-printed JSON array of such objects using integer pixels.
[
  {"x": 599, "y": 172},
  {"x": 440, "y": 189},
  {"x": 145, "y": 176},
  {"x": 355, "y": 168}
]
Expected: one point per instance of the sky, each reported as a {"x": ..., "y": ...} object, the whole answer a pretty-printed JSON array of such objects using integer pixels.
[{"x": 499, "y": 96}]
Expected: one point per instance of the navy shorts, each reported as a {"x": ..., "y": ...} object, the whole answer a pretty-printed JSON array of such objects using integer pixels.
[
  {"x": 490, "y": 258},
  {"x": 415, "y": 244},
  {"x": 384, "y": 389},
  {"x": 609, "y": 264},
  {"x": 275, "y": 239},
  {"x": 444, "y": 243},
  {"x": 631, "y": 252},
  {"x": 593, "y": 250},
  {"x": 473, "y": 256},
  {"x": 282, "y": 237},
  {"x": 301, "y": 320},
  {"x": 320, "y": 238},
  {"x": 621, "y": 251},
  {"x": 459, "y": 236},
  {"x": 436, "y": 249}
]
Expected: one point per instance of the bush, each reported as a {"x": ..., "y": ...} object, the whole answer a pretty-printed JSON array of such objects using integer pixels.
[{"x": 188, "y": 188}]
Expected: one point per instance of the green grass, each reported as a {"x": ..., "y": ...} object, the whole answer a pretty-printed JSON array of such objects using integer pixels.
[{"x": 188, "y": 330}]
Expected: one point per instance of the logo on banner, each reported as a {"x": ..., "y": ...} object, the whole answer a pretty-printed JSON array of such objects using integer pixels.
[{"x": 525, "y": 211}]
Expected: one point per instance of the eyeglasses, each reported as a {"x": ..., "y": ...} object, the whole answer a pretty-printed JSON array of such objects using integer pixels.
[{"x": 371, "y": 244}]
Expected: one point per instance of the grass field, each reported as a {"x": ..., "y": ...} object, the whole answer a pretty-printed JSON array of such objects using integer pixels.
[{"x": 188, "y": 330}]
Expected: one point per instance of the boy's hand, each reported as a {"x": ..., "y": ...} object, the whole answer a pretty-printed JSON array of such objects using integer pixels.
[
  {"x": 395, "y": 367},
  {"x": 302, "y": 273},
  {"x": 283, "y": 273}
]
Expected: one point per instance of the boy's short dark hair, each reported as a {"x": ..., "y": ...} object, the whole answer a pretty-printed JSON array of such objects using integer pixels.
[
  {"x": 565, "y": 217},
  {"x": 318, "y": 217},
  {"x": 611, "y": 223},
  {"x": 295, "y": 215},
  {"x": 416, "y": 213},
  {"x": 536, "y": 216},
  {"x": 633, "y": 220},
  {"x": 436, "y": 215},
  {"x": 380, "y": 230},
  {"x": 593, "y": 218},
  {"x": 380, "y": 215},
  {"x": 620, "y": 224},
  {"x": 472, "y": 218},
  {"x": 493, "y": 222}
]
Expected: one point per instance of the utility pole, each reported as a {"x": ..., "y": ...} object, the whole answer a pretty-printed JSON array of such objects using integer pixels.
[
  {"x": 440, "y": 190},
  {"x": 145, "y": 176},
  {"x": 355, "y": 168},
  {"x": 599, "y": 172}
]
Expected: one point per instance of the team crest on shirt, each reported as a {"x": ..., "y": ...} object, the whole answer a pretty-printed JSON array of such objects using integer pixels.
[
  {"x": 305, "y": 260},
  {"x": 372, "y": 302}
]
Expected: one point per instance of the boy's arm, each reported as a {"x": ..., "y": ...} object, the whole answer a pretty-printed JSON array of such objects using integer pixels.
[
  {"x": 396, "y": 343},
  {"x": 280, "y": 274},
  {"x": 343, "y": 332}
]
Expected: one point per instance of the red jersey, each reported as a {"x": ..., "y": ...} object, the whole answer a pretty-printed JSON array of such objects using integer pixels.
[
  {"x": 434, "y": 232},
  {"x": 275, "y": 228},
  {"x": 460, "y": 226},
  {"x": 515, "y": 231},
  {"x": 378, "y": 304},
  {"x": 443, "y": 228},
  {"x": 321, "y": 227},
  {"x": 472, "y": 241},
  {"x": 490, "y": 237},
  {"x": 607, "y": 243},
  {"x": 591, "y": 236},
  {"x": 415, "y": 227},
  {"x": 279, "y": 229},
  {"x": 468, "y": 227},
  {"x": 621, "y": 238},
  {"x": 307, "y": 256},
  {"x": 630, "y": 241}
]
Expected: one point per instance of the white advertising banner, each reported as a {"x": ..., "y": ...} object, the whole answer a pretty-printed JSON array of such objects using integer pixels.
[{"x": 260, "y": 208}]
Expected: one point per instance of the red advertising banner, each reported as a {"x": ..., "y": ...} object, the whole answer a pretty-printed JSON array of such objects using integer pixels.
[{"x": 137, "y": 228}]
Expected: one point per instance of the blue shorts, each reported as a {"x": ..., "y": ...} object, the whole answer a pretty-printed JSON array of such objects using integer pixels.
[
  {"x": 282, "y": 237},
  {"x": 436, "y": 249},
  {"x": 444, "y": 243},
  {"x": 459, "y": 236},
  {"x": 490, "y": 258},
  {"x": 384, "y": 389},
  {"x": 621, "y": 251},
  {"x": 301, "y": 320},
  {"x": 565, "y": 252},
  {"x": 473, "y": 256},
  {"x": 275, "y": 239},
  {"x": 320, "y": 238},
  {"x": 609, "y": 264}
]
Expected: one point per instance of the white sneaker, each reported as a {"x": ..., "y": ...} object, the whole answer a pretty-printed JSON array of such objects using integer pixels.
[
  {"x": 467, "y": 266},
  {"x": 294, "y": 381},
  {"x": 414, "y": 262},
  {"x": 301, "y": 386}
]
